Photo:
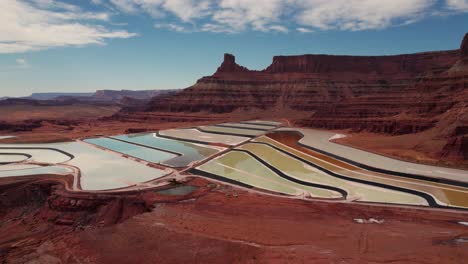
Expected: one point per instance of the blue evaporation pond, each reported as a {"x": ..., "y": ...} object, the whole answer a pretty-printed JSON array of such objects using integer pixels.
[
  {"x": 189, "y": 151},
  {"x": 148, "y": 154},
  {"x": 48, "y": 170}
]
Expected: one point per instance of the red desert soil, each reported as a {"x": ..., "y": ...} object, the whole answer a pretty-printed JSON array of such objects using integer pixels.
[
  {"x": 59, "y": 112},
  {"x": 217, "y": 224},
  {"x": 51, "y": 129}
]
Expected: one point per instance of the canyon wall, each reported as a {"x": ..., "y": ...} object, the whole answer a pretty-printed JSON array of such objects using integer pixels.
[
  {"x": 396, "y": 95},
  {"x": 330, "y": 86}
]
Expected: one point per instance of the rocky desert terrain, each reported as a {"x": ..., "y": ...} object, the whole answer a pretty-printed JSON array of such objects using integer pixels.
[{"x": 412, "y": 107}]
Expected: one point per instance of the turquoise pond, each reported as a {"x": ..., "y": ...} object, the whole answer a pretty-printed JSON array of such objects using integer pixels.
[
  {"x": 143, "y": 153},
  {"x": 189, "y": 152},
  {"x": 47, "y": 170},
  {"x": 99, "y": 169}
]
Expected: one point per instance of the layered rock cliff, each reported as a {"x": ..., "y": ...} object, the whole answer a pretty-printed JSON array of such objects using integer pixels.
[
  {"x": 396, "y": 95},
  {"x": 313, "y": 83}
]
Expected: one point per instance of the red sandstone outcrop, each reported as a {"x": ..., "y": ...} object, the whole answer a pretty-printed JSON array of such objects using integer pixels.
[
  {"x": 391, "y": 66},
  {"x": 460, "y": 69},
  {"x": 396, "y": 95},
  {"x": 313, "y": 83},
  {"x": 464, "y": 47},
  {"x": 229, "y": 65}
]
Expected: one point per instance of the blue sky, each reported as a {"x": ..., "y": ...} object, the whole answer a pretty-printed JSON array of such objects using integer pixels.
[{"x": 82, "y": 46}]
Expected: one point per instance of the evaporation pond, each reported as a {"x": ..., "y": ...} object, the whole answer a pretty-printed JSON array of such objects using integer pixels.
[
  {"x": 231, "y": 131},
  {"x": 247, "y": 126},
  {"x": 189, "y": 152},
  {"x": 148, "y": 154},
  {"x": 179, "y": 190},
  {"x": 196, "y": 135},
  {"x": 47, "y": 170}
]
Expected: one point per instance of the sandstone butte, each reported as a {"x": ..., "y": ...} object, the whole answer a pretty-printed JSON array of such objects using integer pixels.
[{"x": 396, "y": 95}]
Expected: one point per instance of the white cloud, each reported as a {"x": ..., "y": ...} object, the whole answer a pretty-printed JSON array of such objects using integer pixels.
[
  {"x": 186, "y": 10},
  {"x": 37, "y": 24},
  {"x": 359, "y": 14},
  {"x": 21, "y": 63},
  {"x": 304, "y": 30},
  {"x": 279, "y": 28},
  {"x": 279, "y": 15},
  {"x": 54, "y": 4},
  {"x": 222, "y": 15},
  {"x": 216, "y": 28},
  {"x": 458, "y": 5},
  {"x": 240, "y": 14},
  {"x": 172, "y": 27},
  {"x": 41, "y": 24},
  {"x": 128, "y": 6}
]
